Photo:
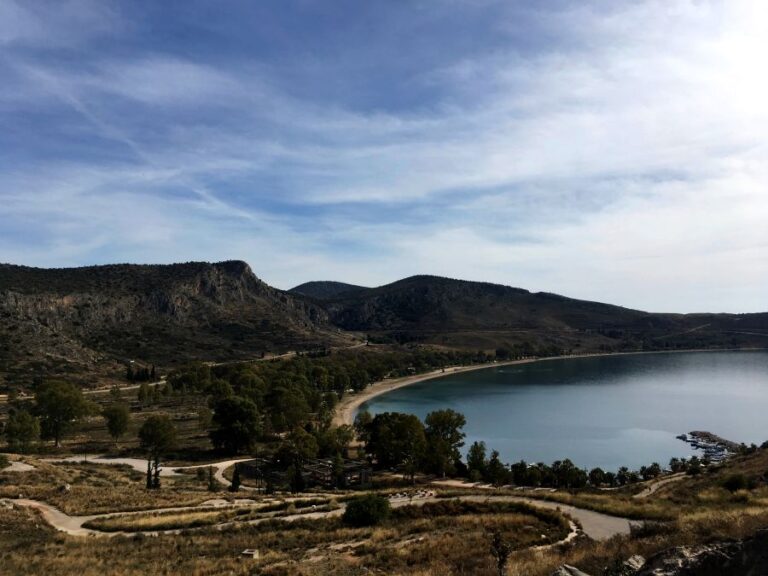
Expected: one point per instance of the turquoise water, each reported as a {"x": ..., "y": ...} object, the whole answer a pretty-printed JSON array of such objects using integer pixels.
[{"x": 605, "y": 411}]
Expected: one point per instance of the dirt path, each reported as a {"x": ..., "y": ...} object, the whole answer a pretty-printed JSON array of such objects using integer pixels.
[
  {"x": 594, "y": 524},
  {"x": 17, "y": 466},
  {"x": 654, "y": 486},
  {"x": 140, "y": 465}
]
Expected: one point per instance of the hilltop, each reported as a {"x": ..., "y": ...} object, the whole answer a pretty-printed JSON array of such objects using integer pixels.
[
  {"x": 325, "y": 289},
  {"x": 461, "y": 313},
  {"x": 83, "y": 320},
  {"x": 93, "y": 320}
]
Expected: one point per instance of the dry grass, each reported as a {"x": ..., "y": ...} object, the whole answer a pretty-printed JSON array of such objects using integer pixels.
[{"x": 96, "y": 488}]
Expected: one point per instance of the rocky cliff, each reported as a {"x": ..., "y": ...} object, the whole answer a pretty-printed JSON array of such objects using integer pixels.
[{"x": 80, "y": 319}]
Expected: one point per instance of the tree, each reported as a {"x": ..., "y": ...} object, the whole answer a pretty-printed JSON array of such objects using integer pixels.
[
  {"x": 677, "y": 464},
  {"x": 60, "y": 406},
  {"x": 21, "y": 430},
  {"x": 567, "y": 475},
  {"x": 596, "y": 477},
  {"x": 362, "y": 425},
  {"x": 501, "y": 551},
  {"x": 477, "y": 462},
  {"x": 156, "y": 436},
  {"x": 367, "y": 510},
  {"x": 397, "y": 440},
  {"x": 238, "y": 424},
  {"x": 497, "y": 474},
  {"x": 235, "y": 486},
  {"x": 117, "y": 417},
  {"x": 444, "y": 438}
]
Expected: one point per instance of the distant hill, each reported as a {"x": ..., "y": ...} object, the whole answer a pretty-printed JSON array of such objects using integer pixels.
[
  {"x": 325, "y": 290},
  {"x": 478, "y": 314},
  {"x": 82, "y": 320},
  {"x": 79, "y": 322}
]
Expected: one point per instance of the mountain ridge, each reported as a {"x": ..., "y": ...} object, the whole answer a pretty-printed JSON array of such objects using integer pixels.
[
  {"x": 93, "y": 319},
  {"x": 74, "y": 319}
]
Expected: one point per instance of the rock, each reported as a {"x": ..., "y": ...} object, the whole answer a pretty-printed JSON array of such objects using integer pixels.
[
  {"x": 633, "y": 564},
  {"x": 741, "y": 558},
  {"x": 566, "y": 570}
]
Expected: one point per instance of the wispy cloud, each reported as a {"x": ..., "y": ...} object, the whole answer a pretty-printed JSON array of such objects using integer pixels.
[{"x": 607, "y": 151}]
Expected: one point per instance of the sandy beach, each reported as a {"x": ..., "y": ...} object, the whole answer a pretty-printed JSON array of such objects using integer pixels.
[{"x": 345, "y": 411}]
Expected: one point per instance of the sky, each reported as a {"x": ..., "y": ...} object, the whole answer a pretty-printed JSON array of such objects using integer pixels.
[{"x": 609, "y": 150}]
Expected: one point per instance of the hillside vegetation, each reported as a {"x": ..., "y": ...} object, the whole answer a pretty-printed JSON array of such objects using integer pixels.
[
  {"x": 91, "y": 322},
  {"x": 95, "y": 319},
  {"x": 478, "y": 314}
]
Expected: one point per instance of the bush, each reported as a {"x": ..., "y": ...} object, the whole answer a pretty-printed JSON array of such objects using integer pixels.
[
  {"x": 366, "y": 510},
  {"x": 735, "y": 482},
  {"x": 4, "y": 463}
]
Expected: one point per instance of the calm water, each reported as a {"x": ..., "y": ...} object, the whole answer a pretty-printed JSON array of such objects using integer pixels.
[{"x": 609, "y": 411}]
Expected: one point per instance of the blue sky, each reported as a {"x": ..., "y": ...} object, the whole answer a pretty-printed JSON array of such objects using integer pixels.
[{"x": 613, "y": 151}]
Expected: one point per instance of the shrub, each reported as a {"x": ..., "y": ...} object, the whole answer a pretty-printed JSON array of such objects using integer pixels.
[
  {"x": 4, "y": 463},
  {"x": 366, "y": 510},
  {"x": 735, "y": 482}
]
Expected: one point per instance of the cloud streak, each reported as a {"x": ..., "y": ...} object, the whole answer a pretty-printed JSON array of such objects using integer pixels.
[{"x": 612, "y": 152}]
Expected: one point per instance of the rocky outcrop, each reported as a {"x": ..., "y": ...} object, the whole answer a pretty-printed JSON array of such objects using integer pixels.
[
  {"x": 741, "y": 558},
  {"x": 747, "y": 557},
  {"x": 80, "y": 319}
]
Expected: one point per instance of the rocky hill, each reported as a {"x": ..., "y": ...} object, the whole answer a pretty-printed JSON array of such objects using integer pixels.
[
  {"x": 479, "y": 314},
  {"x": 96, "y": 318},
  {"x": 93, "y": 320}
]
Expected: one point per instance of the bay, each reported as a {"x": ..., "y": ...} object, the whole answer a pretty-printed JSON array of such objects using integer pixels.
[{"x": 607, "y": 411}]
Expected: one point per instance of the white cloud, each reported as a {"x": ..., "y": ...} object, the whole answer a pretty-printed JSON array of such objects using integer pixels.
[
  {"x": 53, "y": 24},
  {"x": 628, "y": 166}
]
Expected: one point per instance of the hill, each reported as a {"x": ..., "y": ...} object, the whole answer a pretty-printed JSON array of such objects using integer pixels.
[
  {"x": 478, "y": 314},
  {"x": 325, "y": 290},
  {"x": 94, "y": 319}
]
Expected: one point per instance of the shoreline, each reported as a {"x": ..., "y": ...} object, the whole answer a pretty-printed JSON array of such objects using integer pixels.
[{"x": 345, "y": 411}]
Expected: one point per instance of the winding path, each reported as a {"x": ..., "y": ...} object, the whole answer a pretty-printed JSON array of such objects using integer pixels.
[
  {"x": 594, "y": 524},
  {"x": 140, "y": 465},
  {"x": 652, "y": 487}
]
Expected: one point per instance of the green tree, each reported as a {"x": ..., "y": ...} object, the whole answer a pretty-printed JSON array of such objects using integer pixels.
[
  {"x": 238, "y": 424},
  {"x": 156, "y": 436},
  {"x": 597, "y": 477},
  {"x": 117, "y": 417},
  {"x": 444, "y": 439},
  {"x": 497, "y": 473},
  {"x": 397, "y": 440},
  {"x": 362, "y": 425},
  {"x": 21, "y": 430},
  {"x": 61, "y": 406},
  {"x": 477, "y": 461}
]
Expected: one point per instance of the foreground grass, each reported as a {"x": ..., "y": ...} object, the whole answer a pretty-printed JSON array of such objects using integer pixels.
[{"x": 447, "y": 537}]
